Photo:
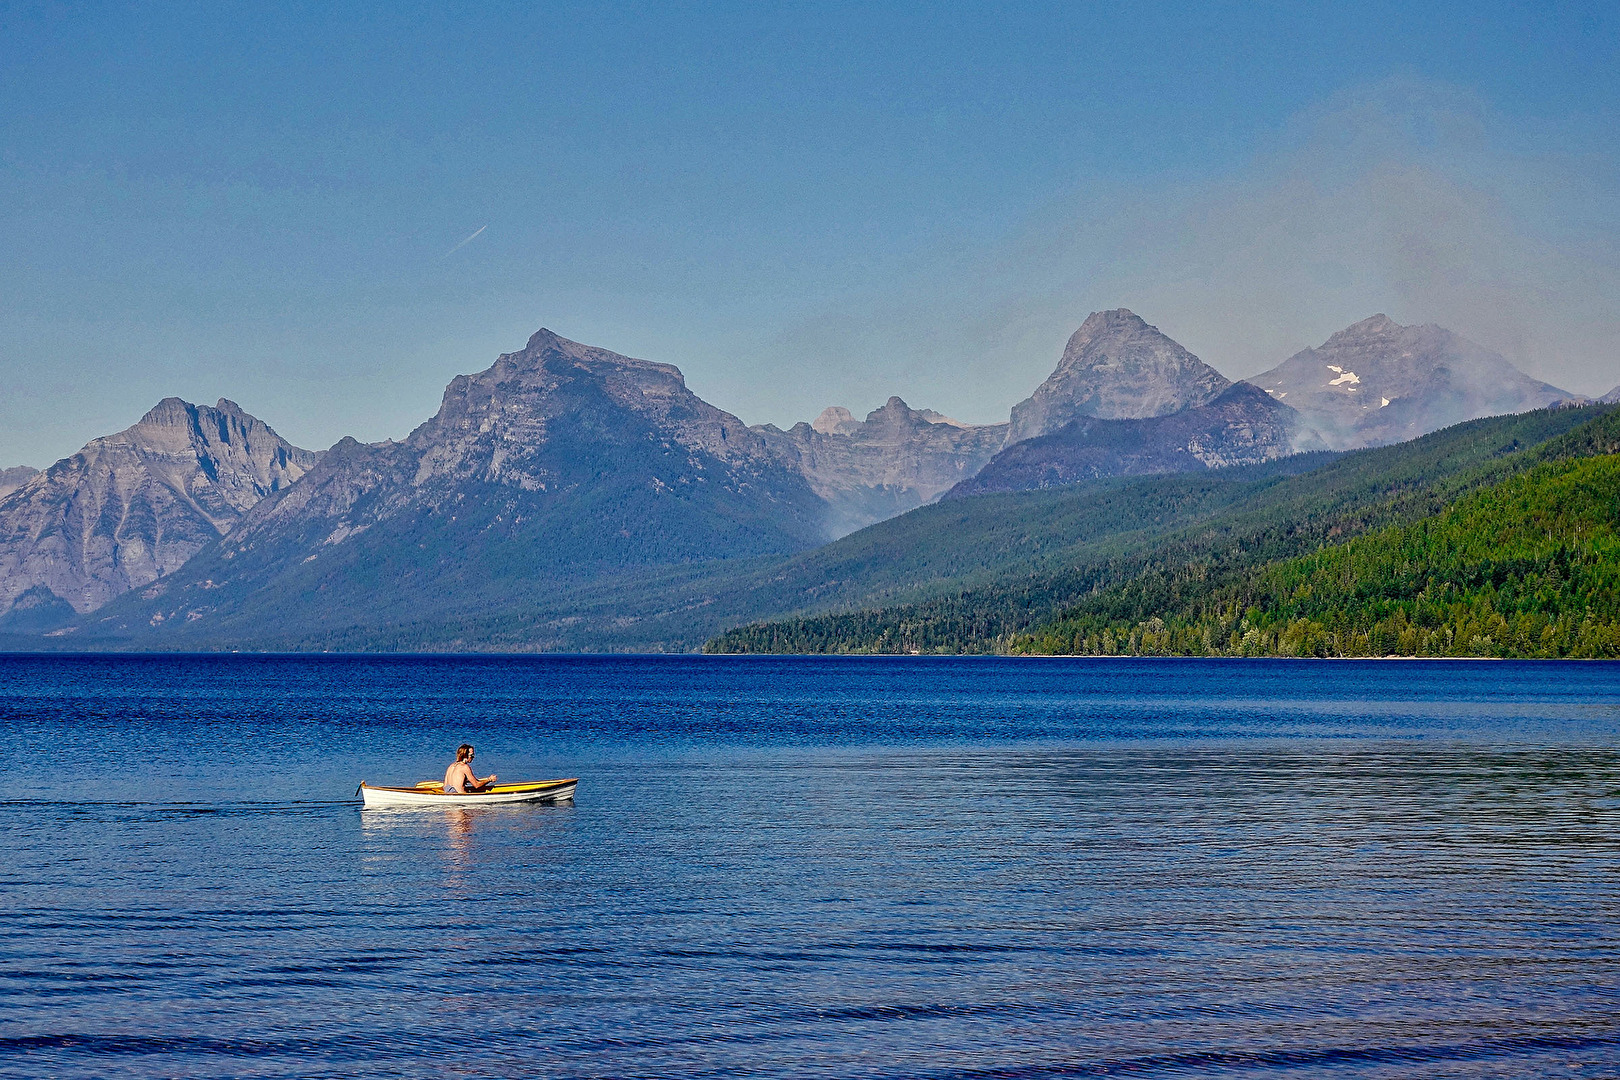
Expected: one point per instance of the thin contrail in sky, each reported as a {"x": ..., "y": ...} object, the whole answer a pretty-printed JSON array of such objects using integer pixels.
[{"x": 467, "y": 241}]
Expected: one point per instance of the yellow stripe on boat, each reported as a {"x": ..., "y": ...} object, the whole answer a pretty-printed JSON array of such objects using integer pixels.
[{"x": 438, "y": 785}]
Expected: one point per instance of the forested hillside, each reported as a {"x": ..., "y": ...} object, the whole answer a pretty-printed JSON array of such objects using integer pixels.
[
  {"x": 1357, "y": 494},
  {"x": 1529, "y": 567}
]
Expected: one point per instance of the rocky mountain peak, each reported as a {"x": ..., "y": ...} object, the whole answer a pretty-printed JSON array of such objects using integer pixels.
[
  {"x": 171, "y": 410},
  {"x": 539, "y": 428},
  {"x": 1377, "y": 382},
  {"x": 1120, "y": 322},
  {"x": 542, "y": 339},
  {"x": 1392, "y": 341},
  {"x": 1379, "y": 325},
  {"x": 1611, "y": 398},
  {"x": 896, "y": 413},
  {"x": 134, "y": 505},
  {"x": 547, "y": 361},
  {"x": 834, "y": 420},
  {"x": 491, "y": 422},
  {"x": 546, "y": 348},
  {"x": 1116, "y": 367}
]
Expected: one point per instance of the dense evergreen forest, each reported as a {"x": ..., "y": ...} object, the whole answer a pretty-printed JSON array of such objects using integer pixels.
[
  {"x": 1249, "y": 570},
  {"x": 1527, "y": 568}
]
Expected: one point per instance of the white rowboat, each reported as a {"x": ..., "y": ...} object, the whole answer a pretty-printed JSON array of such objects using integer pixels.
[{"x": 432, "y": 793}]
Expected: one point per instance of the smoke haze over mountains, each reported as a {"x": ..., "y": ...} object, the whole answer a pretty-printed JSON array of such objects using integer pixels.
[{"x": 1407, "y": 197}]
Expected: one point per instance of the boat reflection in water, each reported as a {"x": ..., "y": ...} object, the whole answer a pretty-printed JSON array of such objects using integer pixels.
[{"x": 467, "y": 839}]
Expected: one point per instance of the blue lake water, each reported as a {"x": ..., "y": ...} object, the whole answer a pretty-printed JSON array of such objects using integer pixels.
[{"x": 801, "y": 867}]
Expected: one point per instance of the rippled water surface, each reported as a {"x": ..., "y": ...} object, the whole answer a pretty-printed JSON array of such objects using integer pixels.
[{"x": 846, "y": 868}]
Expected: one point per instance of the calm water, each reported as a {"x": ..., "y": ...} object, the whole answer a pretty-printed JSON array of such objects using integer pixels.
[{"x": 859, "y": 868}]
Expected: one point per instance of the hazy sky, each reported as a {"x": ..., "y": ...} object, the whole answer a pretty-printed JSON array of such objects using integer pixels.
[{"x": 799, "y": 205}]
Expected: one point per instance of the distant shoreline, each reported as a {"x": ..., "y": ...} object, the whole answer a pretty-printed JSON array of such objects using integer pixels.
[{"x": 516, "y": 654}]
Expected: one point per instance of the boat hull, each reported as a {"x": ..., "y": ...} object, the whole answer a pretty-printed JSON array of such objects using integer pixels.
[{"x": 545, "y": 791}]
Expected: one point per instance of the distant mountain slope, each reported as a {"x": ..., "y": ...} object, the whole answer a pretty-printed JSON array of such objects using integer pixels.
[
  {"x": 133, "y": 506},
  {"x": 1288, "y": 516},
  {"x": 1241, "y": 426},
  {"x": 1116, "y": 367},
  {"x": 1529, "y": 567},
  {"x": 897, "y": 459},
  {"x": 15, "y": 477},
  {"x": 1611, "y": 398},
  {"x": 558, "y": 465},
  {"x": 1377, "y": 382}
]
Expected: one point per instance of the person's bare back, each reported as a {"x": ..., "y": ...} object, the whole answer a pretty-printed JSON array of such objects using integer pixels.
[{"x": 459, "y": 778}]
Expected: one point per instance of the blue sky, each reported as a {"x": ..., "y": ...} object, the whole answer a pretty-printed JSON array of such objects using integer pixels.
[{"x": 799, "y": 205}]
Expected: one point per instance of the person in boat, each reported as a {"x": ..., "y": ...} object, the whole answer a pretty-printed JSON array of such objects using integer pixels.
[{"x": 459, "y": 778}]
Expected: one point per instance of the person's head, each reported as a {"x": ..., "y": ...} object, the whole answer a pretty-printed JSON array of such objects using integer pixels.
[{"x": 464, "y": 752}]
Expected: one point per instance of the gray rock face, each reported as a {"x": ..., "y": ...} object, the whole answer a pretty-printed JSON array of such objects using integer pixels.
[
  {"x": 133, "y": 506},
  {"x": 13, "y": 478},
  {"x": 897, "y": 459},
  {"x": 1242, "y": 426},
  {"x": 1378, "y": 382},
  {"x": 1116, "y": 367},
  {"x": 1611, "y": 398},
  {"x": 552, "y": 420}
]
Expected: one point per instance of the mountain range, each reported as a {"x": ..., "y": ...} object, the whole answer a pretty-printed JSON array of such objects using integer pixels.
[
  {"x": 895, "y": 460},
  {"x": 571, "y": 497},
  {"x": 560, "y": 463}
]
